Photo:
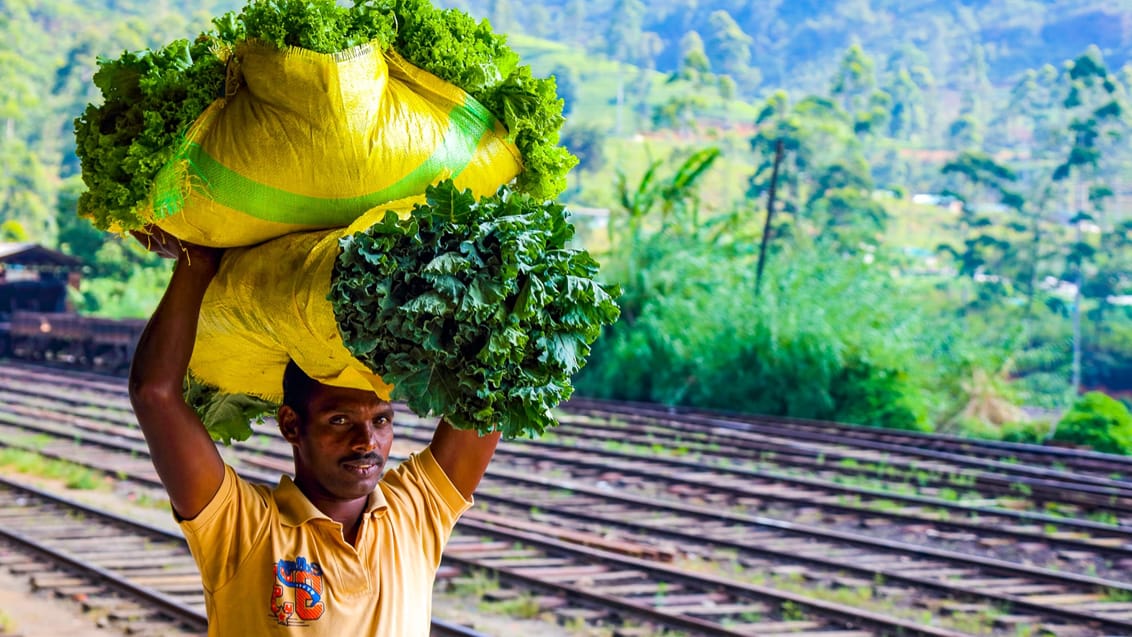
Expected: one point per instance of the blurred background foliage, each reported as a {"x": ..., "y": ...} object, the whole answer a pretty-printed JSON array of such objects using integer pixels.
[{"x": 950, "y": 247}]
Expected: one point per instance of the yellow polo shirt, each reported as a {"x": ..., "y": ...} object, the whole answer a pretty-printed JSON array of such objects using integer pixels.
[{"x": 273, "y": 564}]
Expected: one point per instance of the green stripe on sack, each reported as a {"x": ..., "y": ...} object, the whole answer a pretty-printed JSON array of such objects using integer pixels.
[{"x": 468, "y": 123}]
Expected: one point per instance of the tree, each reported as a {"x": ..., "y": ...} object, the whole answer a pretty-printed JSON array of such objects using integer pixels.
[
  {"x": 621, "y": 38},
  {"x": 574, "y": 21},
  {"x": 501, "y": 16},
  {"x": 682, "y": 110},
  {"x": 975, "y": 85},
  {"x": 978, "y": 180},
  {"x": 908, "y": 115},
  {"x": 625, "y": 27},
  {"x": 854, "y": 81},
  {"x": 12, "y": 230},
  {"x": 694, "y": 64},
  {"x": 843, "y": 208},
  {"x": 1097, "y": 421},
  {"x": 1096, "y": 126},
  {"x": 732, "y": 48},
  {"x": 825, "y": 184},
  {"x": 671, "y": 205},
  {"x": 965, "y": 132}
]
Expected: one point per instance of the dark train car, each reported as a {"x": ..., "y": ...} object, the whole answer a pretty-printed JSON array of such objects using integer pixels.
[
  {"x": 36, "y": 322},
  {"x": 82, "y": 341}
]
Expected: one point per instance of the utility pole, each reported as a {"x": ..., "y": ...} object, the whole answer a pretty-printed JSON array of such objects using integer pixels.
[{"x": 778, "y": 150}]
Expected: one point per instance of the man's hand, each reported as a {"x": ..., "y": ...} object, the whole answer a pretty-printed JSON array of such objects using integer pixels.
[{"x": 166, "y": 245}]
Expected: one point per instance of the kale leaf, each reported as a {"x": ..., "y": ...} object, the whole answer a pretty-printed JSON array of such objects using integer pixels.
[
  {"x": 474, "y": 310},
  {"x": 227, "y": 417}
]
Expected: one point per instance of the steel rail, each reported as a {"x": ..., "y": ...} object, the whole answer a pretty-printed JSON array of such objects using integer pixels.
[
  {"x": 164, "y": 603},
  {"x": 1096, "y": 491},
  {"x": 851, "y": 616},
  {"x": 915, "y": 440},
  {"x": 623, "y": 468},
  {"x": 514, "y": 477},
  {"x": 1092, "y": 618},
  {"x": 998, "y": 472},
  {"x": 990, "y": 565},
  {"x": 138, "y": 447}
]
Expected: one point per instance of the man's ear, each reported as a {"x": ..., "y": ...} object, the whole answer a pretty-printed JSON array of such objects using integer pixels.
[{"x": 288, "y": 424}]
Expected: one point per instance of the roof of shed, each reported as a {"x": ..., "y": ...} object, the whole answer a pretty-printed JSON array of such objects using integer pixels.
[{"x": 33, "y": 254}]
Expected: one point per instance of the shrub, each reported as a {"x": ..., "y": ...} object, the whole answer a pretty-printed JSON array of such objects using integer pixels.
[
  {"x": 1030, "y": 432},
  {"x": 827, "y": 339},
  {"x": 1097, "y": 421}
]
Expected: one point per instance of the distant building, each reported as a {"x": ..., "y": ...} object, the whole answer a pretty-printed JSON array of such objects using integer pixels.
[{"x": 35, "y": 278}]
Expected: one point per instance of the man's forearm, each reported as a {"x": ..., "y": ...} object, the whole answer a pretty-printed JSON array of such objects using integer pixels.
[
  {"x": 162, "y": 355},
  {"x": 463, "y": 455}
]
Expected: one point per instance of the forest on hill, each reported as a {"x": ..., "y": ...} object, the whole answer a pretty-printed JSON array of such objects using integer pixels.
[
  {"x": 778, "y": 44},
  {"x": 951, "y": 238}
]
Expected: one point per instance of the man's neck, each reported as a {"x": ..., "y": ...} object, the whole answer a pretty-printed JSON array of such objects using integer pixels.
[{"x": 348, "y": 513}]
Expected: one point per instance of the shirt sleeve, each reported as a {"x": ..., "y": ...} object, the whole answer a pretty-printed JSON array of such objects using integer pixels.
[
  {"x": 223, "y": 533},
  {"x": 423, "y": 496}
]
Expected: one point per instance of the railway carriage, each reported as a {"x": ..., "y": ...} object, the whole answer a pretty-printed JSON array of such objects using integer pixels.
[{"x": 36, "y": 322}]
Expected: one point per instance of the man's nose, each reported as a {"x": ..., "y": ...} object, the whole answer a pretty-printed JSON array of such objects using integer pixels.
[{"x": 366, "y": 437}]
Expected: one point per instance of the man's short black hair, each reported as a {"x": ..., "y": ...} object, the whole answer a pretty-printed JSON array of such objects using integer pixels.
[{"x": 297, "y": 389}]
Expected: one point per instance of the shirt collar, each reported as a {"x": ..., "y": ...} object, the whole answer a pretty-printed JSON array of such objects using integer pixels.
[{"x": 295, "y": 509}]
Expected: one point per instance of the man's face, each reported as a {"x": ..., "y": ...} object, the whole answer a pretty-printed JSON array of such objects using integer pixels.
[{"x": 341, "y": 444}]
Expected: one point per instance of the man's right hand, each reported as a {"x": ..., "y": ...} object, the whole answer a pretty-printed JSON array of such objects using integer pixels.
[{"x": 166, "y": 245}]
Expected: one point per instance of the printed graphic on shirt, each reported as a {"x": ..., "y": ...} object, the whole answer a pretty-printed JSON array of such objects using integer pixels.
[{"x": 296, "y": 597}]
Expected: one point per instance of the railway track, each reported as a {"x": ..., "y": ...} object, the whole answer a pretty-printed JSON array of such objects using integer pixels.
[
  {"x": 1089, "y": 548},
  {"x": 154, "y": 567},
  {"x": 818, "y": 555},
  {"x": 1021, "y": 459},
  {"x": 898, "y": 471}
]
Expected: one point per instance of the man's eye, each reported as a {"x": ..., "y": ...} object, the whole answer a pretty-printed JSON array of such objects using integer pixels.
[{"x": 339, "y": 420}]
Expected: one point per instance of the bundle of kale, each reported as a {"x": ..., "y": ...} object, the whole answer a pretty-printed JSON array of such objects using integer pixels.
[
  {"x": 476, "y": 310},
  {"x": 151, "y": 98}
]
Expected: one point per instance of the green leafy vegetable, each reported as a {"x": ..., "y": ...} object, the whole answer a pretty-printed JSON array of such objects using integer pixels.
[
  {"x": 476, "y": 310},
  {"x": 227, "y": 417},
  {"x": 152, "y": 97}
]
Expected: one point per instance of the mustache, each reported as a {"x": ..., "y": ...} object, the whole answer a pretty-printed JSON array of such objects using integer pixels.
[{"x": 371, "y": 458}]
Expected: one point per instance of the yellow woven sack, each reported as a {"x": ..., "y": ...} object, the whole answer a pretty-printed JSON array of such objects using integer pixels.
[
  {"x": 308, "y": 140},
  {"x": 268, "y": 304}
]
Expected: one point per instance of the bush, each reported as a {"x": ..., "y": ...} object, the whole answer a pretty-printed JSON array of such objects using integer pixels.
[
  {"x": 1031, "y": 432},
  {"x": 826, "y": 339},
  {"x": 1097, "y": 421}
]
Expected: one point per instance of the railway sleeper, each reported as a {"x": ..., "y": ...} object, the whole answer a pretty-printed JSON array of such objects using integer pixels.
[
  {"x": 817, "y": 633},
  {"x": 707, "y": 610},
  {"x": 642, "y": 588}
]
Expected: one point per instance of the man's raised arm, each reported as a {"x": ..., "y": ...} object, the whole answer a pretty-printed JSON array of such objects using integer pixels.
[
  {"x": 184, "y": 455},
  {"x": 464, "y": 455}
]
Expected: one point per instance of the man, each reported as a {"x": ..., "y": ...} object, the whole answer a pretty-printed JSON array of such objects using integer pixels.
[{"x": 336, "y": 551}]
